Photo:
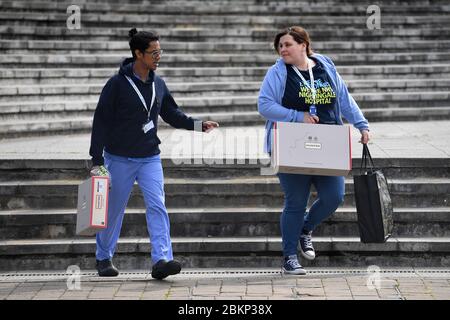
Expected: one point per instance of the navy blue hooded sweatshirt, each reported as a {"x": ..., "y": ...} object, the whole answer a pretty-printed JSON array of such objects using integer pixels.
[{"x": 120, "y": 115}]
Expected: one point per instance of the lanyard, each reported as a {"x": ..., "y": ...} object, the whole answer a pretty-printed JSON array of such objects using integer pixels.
[
  {"x": 141, "y": 97},
  {"x": 311, "y": 76}
]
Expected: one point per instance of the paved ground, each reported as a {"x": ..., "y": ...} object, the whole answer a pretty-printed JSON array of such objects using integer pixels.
[
  {"x": 428, "y": 139},
  {"x": 232, "y": 284}
]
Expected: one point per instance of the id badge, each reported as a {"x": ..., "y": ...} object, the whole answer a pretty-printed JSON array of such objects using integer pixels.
[{"x": 146, "y": 127}]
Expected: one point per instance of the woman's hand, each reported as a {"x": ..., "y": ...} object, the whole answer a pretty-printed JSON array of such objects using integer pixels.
[
  {"x": 207, "y": 126},
  {"x": 364, "y": 137},
  {"x": 307, "y": 118}
]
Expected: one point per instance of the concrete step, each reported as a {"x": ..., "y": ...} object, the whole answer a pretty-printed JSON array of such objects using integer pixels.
[
  {"x": 122, "y": 47},
  {"x": 222, "y": 88},
  {"x": 100, "y": 75},
  {"x": 213, "y": 60},
  {"x": 272, "y": 8},
  {"x": 172, "y": 20},
  {"x": 49, "y": 123},
  {"x": 231, "y": 192},
  {"x": 80, "y": 121},
  {"x": 45, "y": 127},
  {"x": 356, "y": 33},
  {"x": 202, "y": 252},
  {"x": 49, "y": 169},
  {"x": 10, "y": 103},
  {"x": 77, "y": 169},
  {"x": 75, "y": 123},
  {"x": 48, "y": 116},
  {"x": 220, "y": 222},
  {"x": 250, "y": 118},
  {"x": 255, "y": 2},
  {"x": 186, "y": 89}
]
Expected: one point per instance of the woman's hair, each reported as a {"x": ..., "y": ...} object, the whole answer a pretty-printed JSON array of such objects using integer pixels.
[
  {"x": 140, "y": 40},
  {"x": 299, "y": 34}
]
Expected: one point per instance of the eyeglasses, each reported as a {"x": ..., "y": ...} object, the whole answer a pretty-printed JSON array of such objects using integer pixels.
[{"x": 155, "y": 53}]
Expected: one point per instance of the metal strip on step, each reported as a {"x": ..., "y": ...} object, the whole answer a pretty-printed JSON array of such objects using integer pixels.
[{"x": 144, "y": 275}]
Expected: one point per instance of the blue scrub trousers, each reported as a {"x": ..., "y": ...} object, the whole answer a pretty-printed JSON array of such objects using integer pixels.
[
  {"x": 148, "y": 173},
  {"x": 296, "y": 188}
]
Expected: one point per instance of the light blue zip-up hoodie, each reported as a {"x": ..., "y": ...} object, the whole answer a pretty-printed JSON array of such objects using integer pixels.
[{"x": 272, "y": 92}]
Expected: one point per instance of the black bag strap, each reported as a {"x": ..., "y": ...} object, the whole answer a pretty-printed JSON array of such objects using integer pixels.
[{"x": 366, "y": 155}]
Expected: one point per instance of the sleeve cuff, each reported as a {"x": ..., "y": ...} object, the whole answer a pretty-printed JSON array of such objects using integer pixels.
[
  {"x": 198, "y": 125},
  {"x": 298, "y": 116},
  {"x": 98, "y": 161}
]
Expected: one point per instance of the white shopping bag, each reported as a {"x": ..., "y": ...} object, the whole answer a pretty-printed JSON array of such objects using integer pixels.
[{"x": 92, "y": 207}]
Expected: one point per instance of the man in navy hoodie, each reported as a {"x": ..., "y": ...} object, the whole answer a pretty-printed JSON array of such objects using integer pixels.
[{"x": 124, "y": 140}]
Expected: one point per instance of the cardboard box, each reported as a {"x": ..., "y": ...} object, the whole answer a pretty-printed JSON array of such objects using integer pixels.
[
  {"x": 92, "y": 207},
  {"x": 316, "y": 149}
]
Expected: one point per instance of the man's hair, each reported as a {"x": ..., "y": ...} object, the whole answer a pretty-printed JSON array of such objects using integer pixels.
[
  {"x": 299, "y": 34},
  {"x": 140, "y": 40}
]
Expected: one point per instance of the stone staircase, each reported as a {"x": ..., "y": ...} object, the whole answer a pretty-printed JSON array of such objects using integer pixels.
[
  {"x": 221, "y": 216},
  {"x": 216, "y": 55}
]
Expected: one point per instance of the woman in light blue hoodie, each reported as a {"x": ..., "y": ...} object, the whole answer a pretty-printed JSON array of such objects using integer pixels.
[{"x": 287, "y": 95}]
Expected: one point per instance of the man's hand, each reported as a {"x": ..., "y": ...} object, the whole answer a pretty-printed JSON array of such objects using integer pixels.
[
  {"x": 207, "y": 126},
  {"x": 99, "y": 171}
]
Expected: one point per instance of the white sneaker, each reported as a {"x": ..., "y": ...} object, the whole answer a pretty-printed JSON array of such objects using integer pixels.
[{"x": 306, "y": 246}]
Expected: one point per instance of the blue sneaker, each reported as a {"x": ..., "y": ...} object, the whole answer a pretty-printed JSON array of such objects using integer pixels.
[
  {"x": 291, "y": 266},
  {"x": 306, "y": 246}
]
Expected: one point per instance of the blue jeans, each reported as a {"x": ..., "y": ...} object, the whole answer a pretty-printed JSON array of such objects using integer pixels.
[
  {"x": 148, "y": 173},
  {"x": 296, "y": 188}
]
